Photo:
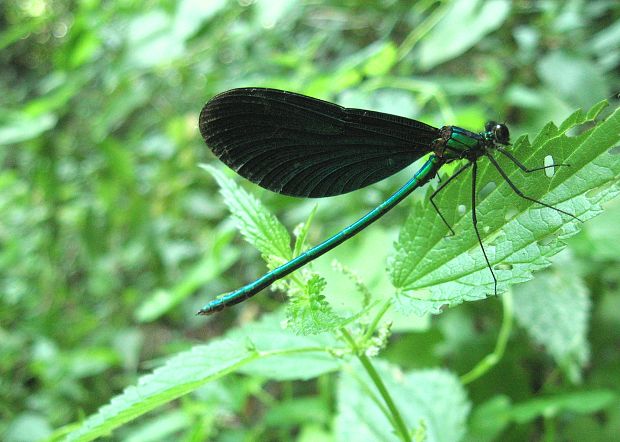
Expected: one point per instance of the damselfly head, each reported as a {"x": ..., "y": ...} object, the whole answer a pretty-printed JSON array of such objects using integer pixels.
[{"x": 500, "y": 132}]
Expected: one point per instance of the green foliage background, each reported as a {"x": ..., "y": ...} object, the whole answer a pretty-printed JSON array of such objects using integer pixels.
[{"x": 111, "y": 236}]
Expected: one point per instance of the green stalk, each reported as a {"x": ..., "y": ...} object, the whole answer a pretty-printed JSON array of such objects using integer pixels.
[
  {"x": 375, "y": 321},
  {"x": 490, "y": 360},
  {"x": 395, "y": 417}
]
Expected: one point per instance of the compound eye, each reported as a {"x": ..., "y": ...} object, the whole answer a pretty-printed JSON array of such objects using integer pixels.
[
  {"x": 490, "y": 126},
  {"x": 501, "y": 133}
]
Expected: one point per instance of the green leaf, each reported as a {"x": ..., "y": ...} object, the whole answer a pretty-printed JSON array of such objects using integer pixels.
[
  {"x": 433, "y": 398},
  {"x": 306, "y": 359},
  {"x": 554, "y": 308},
  {"x": 463, "y": 25},
  {"x": 257, "y": 225},
  {"x": 182, "y": 374},
  {"x": 189, "y": 370},
  {"x": 431, "y": 270},
  {"x": 311, "y": 313}
]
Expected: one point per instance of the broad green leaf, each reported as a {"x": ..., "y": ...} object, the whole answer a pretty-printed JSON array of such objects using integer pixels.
[
  {"x": 308, "y": 357},
  {"x": 434, "y": 399},
  {"x": 554, "y": 308},
  {"x": 182, "y": 374},
  {"x": 257, "y": 225},
  {"x": 430, "y": 269},
  {"x": 189, "y": 370},
  {"x": 464, "y": 25}
]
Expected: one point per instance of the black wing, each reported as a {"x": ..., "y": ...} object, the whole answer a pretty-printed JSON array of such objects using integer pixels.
[{"x": 301, "y": 146}]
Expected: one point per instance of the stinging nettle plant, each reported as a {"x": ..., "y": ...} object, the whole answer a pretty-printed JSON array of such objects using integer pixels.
[{"x": 427, "y": 270}]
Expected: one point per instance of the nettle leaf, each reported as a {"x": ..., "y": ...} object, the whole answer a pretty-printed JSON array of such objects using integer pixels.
[
  {"x": 257, "y": 225},
  {"x": 431, "y": 270},
  {"x": 310, "y": 313},
  {"x": 554, "y": 308},
  {"x": 433, "y": 400},
  {"x": 309, "y": 356},
  {"x": 248, "y": 349}
]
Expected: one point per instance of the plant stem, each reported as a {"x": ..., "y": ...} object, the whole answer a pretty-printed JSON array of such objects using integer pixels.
[
  {"x": 395, "y": 418},
  {"x": 490, "y": 360},
  {"x": 375, "y": 321}
]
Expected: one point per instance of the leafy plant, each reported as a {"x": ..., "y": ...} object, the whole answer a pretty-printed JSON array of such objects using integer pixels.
[
  {"x": 373, "y": 395},
  {"x": 111, "y": 236}
]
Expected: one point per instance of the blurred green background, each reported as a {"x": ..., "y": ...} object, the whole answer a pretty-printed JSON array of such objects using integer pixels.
[{"x": 111, "y": 236}]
